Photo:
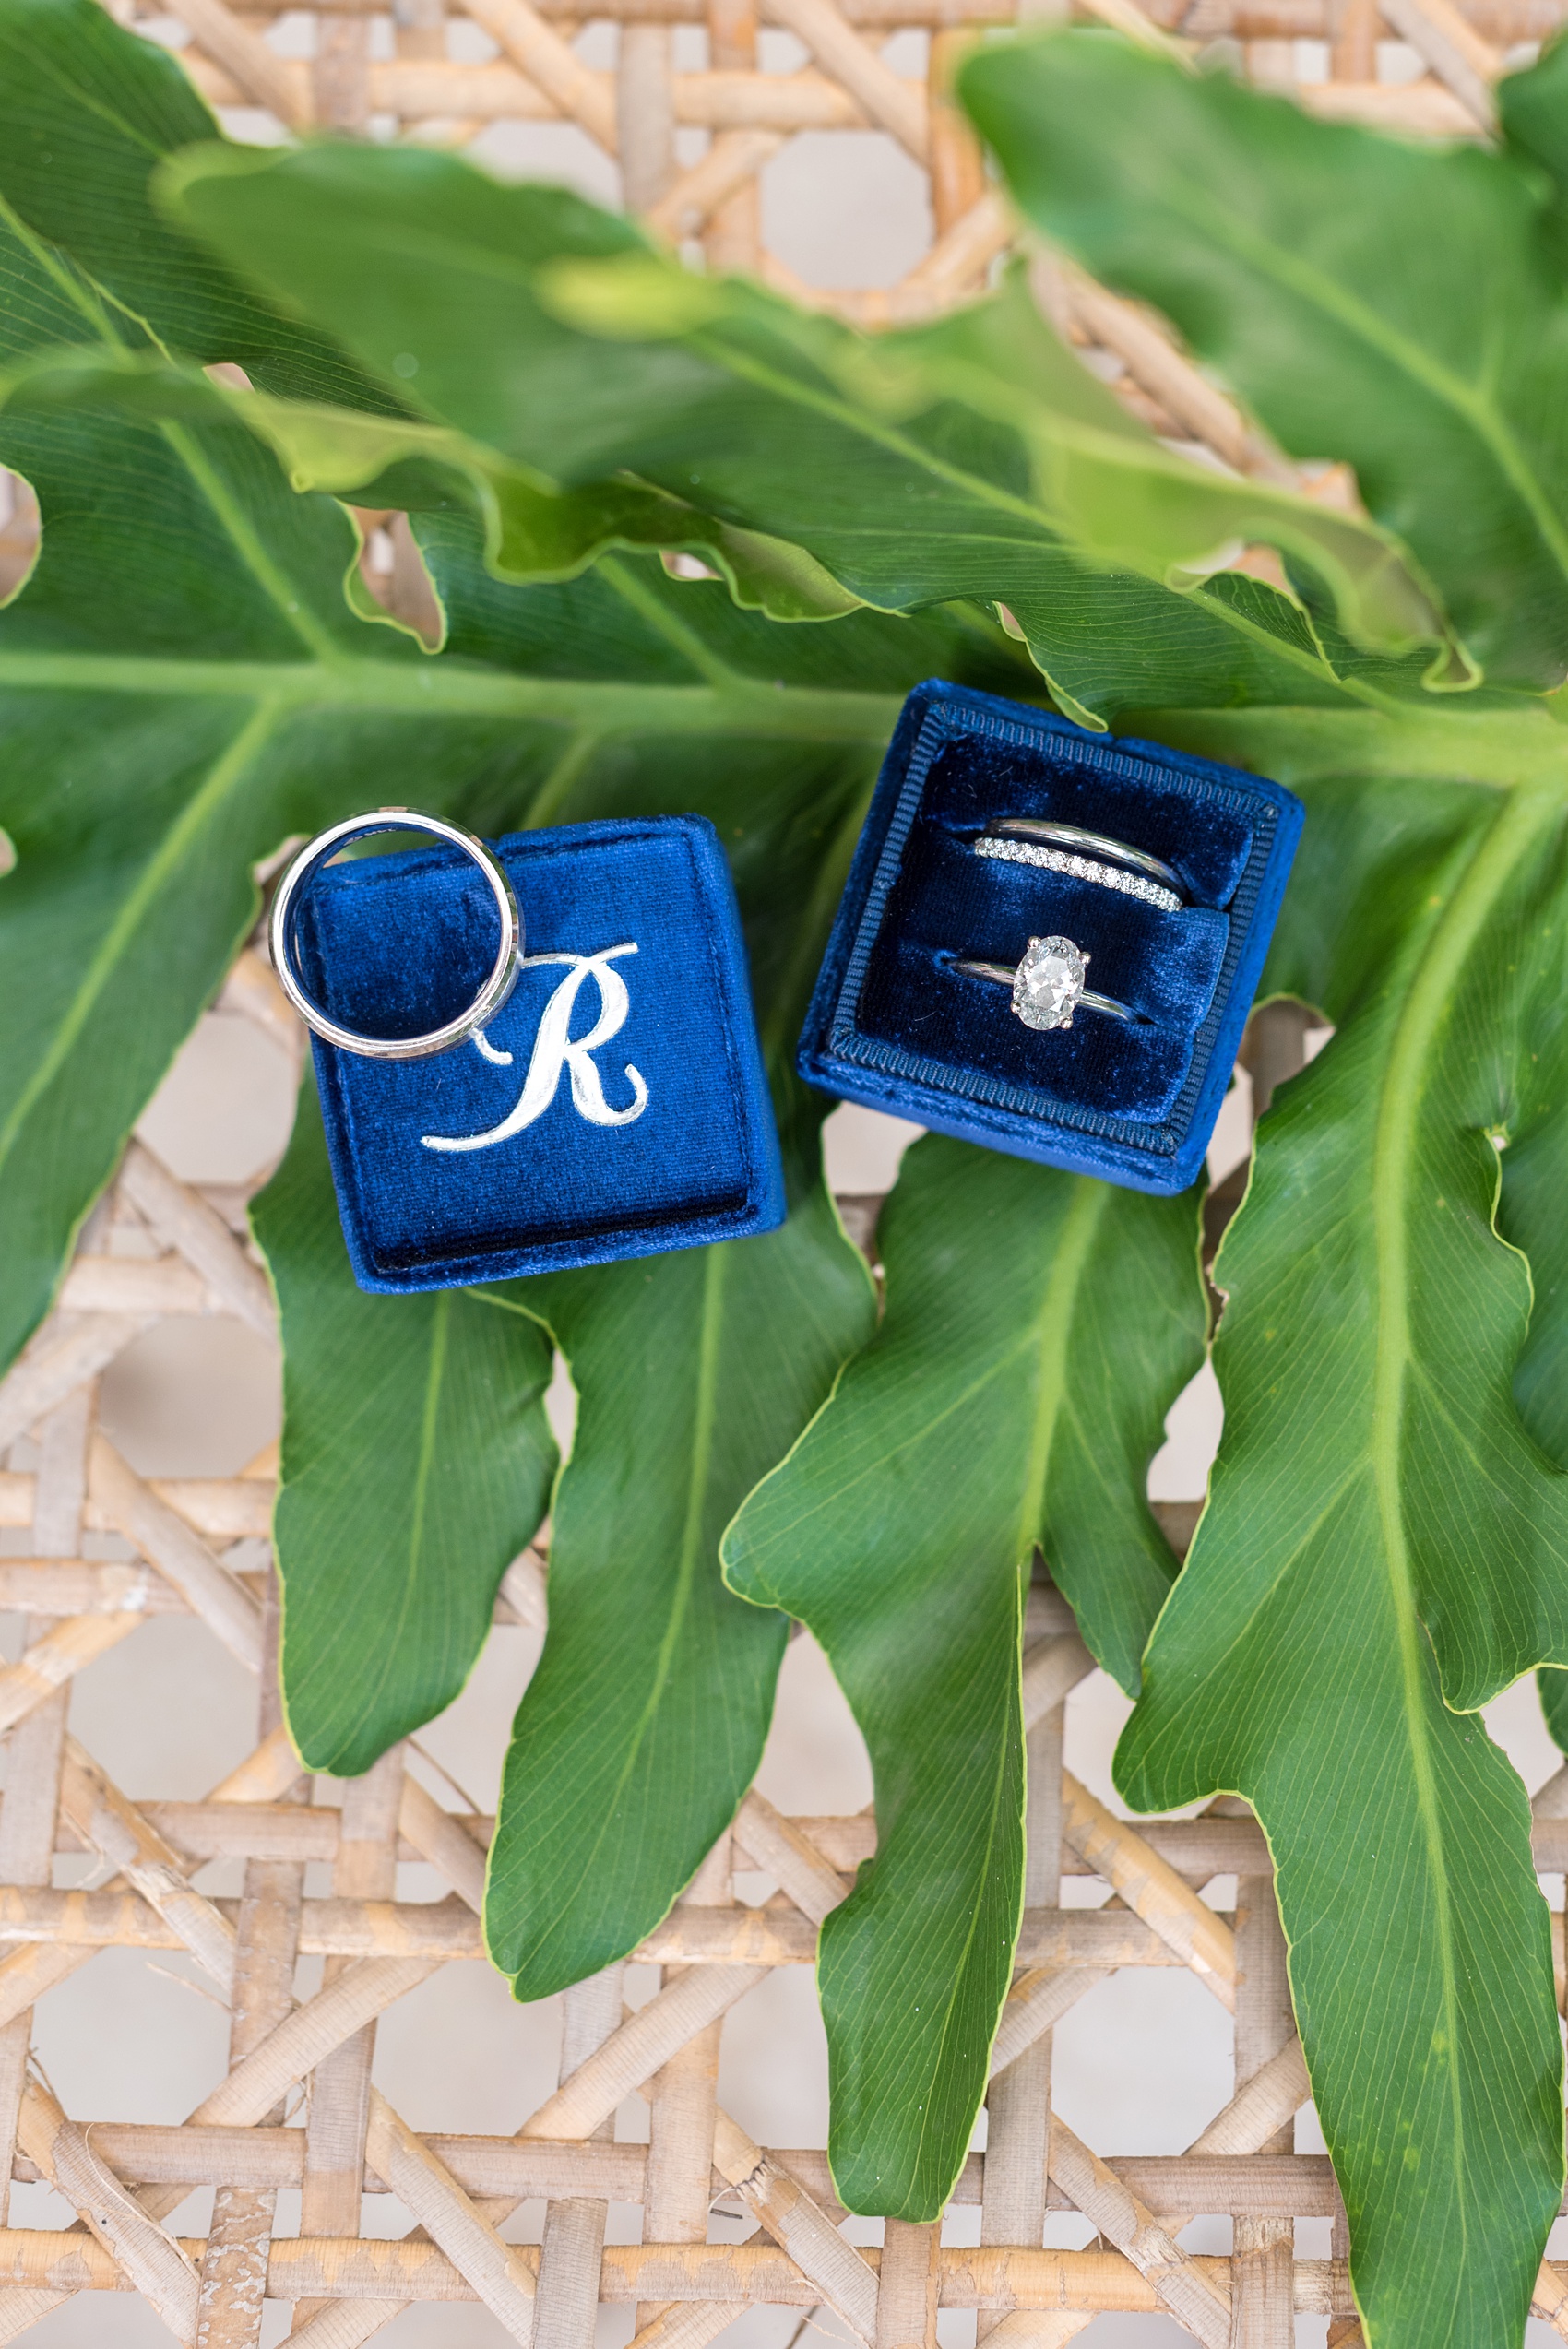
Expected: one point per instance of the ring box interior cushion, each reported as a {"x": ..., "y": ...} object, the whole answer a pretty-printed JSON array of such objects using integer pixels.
[
  {"x": 540, "y": 1148},
  {"x": 894, "y": 1024}
]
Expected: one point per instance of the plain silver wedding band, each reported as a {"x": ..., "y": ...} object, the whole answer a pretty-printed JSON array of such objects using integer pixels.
[
  {"x": 498, "y": 985},
  {"x": 1004, "y": 974},
  {"x": 1086, "y": 856}
]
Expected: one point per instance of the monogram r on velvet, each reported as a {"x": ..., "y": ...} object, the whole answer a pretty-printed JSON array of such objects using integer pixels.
[{"x": 615, "y": 1105}]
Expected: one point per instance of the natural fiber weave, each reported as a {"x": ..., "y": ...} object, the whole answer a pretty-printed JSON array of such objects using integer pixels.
[
  {"x": 1421, "y": 66},
  {"x": 157, "y": 1247}
]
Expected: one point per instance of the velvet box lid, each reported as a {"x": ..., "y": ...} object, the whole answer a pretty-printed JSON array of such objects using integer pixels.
[
  {"x": 615, "y": 1106},
  {"x": 895, "y": 1025}
]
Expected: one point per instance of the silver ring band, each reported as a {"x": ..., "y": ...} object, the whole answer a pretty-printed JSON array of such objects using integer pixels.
[
  {"x": 1059, "y": 848},
  {"x": 1047, "y": 984},
  {"x": 498, "y": 985}
]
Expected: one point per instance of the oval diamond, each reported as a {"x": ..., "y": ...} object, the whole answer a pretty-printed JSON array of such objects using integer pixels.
[{"x": 1047, "y": 983}]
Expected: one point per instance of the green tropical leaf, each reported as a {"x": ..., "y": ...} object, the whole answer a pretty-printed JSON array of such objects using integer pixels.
[
  {"x": 87, "y": 111},
  {"x": 172, "y": 679},
  {"x": 1125, "y": 640},
  {"x": 184, "y": 653},
  {"x": 531, "y": 532},
  {"x": 185, "y": 658},
  {"x": 184, "y": 683},
  {"x": 1533, "y": 117},
  {"x": 645, "y": 1723},
  {"x": 1385, "y": 1547},
  {"x": 1553, "y": 1687},
  {"x": 1371, "y": 298},
  {"x": 417, "y": 1462},
  {"x": 972, "y": 458},
  {"x": 1039, "y": 1327}
]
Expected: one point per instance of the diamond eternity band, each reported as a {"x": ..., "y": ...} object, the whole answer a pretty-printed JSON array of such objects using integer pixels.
[{"x": 1106, "y": 876}]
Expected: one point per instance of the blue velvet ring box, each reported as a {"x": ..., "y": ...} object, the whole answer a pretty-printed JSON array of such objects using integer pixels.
[
  {"x": 617, "y": 1105},
  {"x": 894, "y": 1024}
]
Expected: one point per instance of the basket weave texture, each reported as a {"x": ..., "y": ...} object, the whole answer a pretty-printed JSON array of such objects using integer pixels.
[
  {"x": 93, "y": 1549},
  {"x": 105, "y": 1549}
]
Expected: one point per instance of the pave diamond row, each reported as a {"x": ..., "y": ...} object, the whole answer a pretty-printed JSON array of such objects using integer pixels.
[{"x": 1131, "y": 884}]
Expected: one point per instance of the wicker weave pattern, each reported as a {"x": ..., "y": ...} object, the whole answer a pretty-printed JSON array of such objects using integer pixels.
[
  {"x": 159, "y": 1246},
  {"x": 633, "y": 113}
]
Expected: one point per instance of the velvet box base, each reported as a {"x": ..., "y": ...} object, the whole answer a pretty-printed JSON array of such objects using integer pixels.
[
  {"x": 895, "y": 1024},
  {"x": 615, "y": 1106}
]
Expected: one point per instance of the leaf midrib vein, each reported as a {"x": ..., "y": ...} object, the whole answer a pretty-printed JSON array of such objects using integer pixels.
[
  {"x": 225, "y": 777},
  {"x": 699, "y": 1463},
  {"x": 974, "y": 485},
  {"x": 252, "y": 554},
  {"x": 1428, "y": 995},
  {"x": 1054, "y": 1329},
  {"x": 674, "y": 631},
  {"x": 76, "y": 93},
  {"x": 995, "y": 1368},
  {"x": 292, "y": 610},
  {"x": 451, "y": 687},
  {"x": 1291, "y": 272},
  {"x": 1060, "y": 1286},
  {"x": 47, "y": 260},
  {"x": 1049, "y": 1331},
  {"x": 418, "y": 1501}
]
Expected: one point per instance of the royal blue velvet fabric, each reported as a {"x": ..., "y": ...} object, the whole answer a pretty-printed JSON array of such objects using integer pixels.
[
  {"x": 397, "y": 944},
  {"x": 895, "y": 1025}
]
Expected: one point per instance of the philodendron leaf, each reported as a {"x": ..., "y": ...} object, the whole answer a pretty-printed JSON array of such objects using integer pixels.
[
  {"x": 684, "y": 1402},
  {"x": 1553, "y": 1688},
  {"x": 417, "y": 1462},
  {"x": 183, "y": 685},
  {"x": 1385, "y": 1547},
  {"x": 955, "y": 461},
  {"x": 1124, "y": 639},
  {"x": 1039, "y": 1326},
  {"x": 1532, "y": 112},
  {"x": 87, "y": 110},
  {"x": 182, "y": 682},
  {"x": 1371, "y": 298},
  {"x": 643, "y": 1724},
  {"x": 172, "y": 682},
  {"x": 532, "y": 530}
]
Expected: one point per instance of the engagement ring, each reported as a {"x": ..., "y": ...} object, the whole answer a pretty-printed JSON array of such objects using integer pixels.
[{"x": 1048, "y": 984}]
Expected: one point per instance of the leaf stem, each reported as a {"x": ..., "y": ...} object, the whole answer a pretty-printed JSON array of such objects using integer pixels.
[
  {"x": 247, "y": 544},
  {"x": 1429, "y": 997},
  {"x": 1225, "y": 225},
  {"x": 450, "y": 688},
  {"x": 199, "y": 812},
  {"x": 675, "y": 633}
]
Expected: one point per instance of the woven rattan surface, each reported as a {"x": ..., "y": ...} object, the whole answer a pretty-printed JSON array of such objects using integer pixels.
[
  {"x": 690, "y": 103},
  {"x": 96, "y": 1550},
  {"x": 694, "y": 106}
]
